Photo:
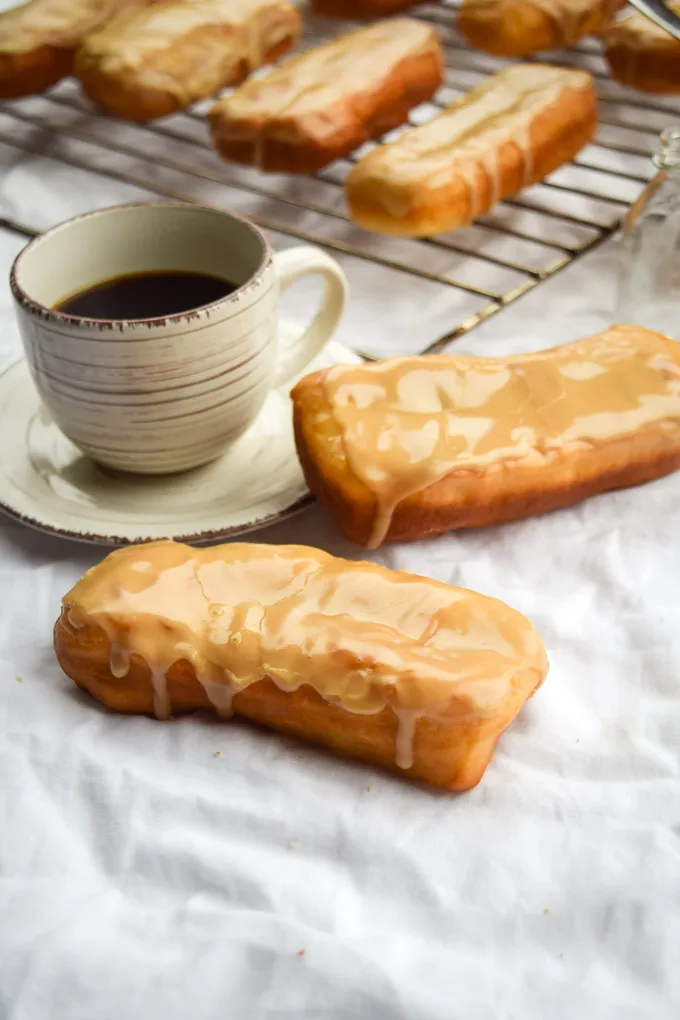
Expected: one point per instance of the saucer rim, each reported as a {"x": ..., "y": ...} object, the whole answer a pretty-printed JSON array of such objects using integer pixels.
[{"x": 195, "y": 538}]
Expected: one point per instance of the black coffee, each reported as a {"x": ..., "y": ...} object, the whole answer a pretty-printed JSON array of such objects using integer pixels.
[{"x": 152, "y": 295}]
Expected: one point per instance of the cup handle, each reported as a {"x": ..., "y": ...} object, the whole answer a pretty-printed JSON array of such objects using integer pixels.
[{"x": 290, "y": 265}]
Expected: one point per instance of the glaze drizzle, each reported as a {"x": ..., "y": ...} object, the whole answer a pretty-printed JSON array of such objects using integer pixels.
[{"x": 363, "y": 637}]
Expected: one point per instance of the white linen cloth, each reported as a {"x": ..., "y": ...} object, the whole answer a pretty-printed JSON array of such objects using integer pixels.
[{"x": 144, "y": 876}]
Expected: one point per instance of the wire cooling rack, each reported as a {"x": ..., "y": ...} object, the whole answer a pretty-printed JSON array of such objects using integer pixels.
[{"x": 450, "y": 283}]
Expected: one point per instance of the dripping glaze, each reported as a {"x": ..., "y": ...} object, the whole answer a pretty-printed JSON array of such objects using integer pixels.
[
  {"x": 464, "y": 139},
  {"x": 311, "y": 83},
  {"x": 363, "y": 637},
  {"x": 408, "y": 422},
  {"x": 243, "y": 33},
  {"x": 567, "y": 17},
  {"x": 59, "y": 23}
]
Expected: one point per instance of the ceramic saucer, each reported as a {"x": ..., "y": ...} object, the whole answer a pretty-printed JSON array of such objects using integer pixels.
[{"x": 46, "y": 483}]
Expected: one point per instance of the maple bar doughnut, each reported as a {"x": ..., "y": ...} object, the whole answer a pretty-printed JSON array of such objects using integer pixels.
[
  {"x": 373, "y": 663},
  {"x": 518, "y": 28},
  {"x": 38, "y": 40},
  {"x": 416, "y": 446},
  {"x": 642, "y": 55},
  {"x": 358, "y": 10},
  {"x": 153, "y": 62},
  {"x": 511, "y": 130},
  {"x": 321, "y": 105}
]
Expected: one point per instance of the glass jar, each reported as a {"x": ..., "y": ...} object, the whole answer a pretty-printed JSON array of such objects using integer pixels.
[{"x": 649, "y": 277}]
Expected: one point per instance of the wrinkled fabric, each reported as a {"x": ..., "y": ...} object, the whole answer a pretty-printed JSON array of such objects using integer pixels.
[{"x": 145, "y": 876}]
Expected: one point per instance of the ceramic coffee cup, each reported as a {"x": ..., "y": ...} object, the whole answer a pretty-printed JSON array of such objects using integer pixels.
[{"x": 165, "y": 394}]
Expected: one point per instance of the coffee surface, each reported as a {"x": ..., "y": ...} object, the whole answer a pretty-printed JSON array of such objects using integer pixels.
[{"x": 149, "y": 295}]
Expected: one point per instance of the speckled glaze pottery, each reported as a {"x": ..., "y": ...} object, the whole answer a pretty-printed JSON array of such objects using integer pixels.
[{"x": 157, "y": 396}]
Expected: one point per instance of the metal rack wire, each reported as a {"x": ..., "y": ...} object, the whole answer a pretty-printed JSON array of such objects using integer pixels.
[{"x": 466, "y": 276}]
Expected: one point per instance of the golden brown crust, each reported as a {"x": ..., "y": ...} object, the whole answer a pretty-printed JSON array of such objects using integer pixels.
[
  {"x": 518, "y": 28},
  {"x": 452, "y": 755},
  {"x": 360, "y": 10},
  {"x": 24, "y": 74},
  {"x": 465, "y": 499},
  {"x": 413, "y": 188},
  {"x": 322, "y": 105},
  {"x": 642, "y": 55},
  {"x": 154, "y": 62},
  {"x": 38, "y": 40}
]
